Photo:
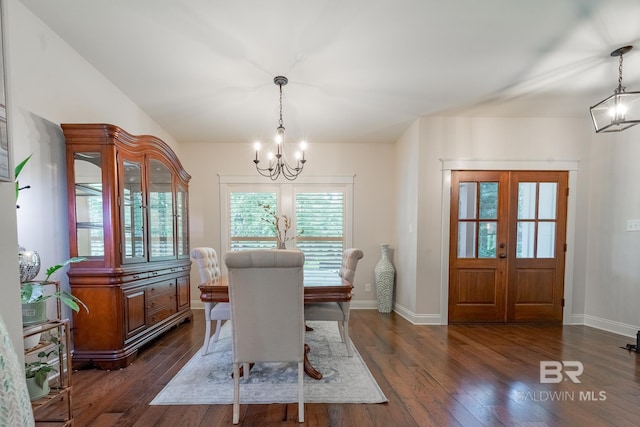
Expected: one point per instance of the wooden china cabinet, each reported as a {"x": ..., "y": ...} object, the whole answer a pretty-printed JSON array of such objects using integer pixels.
[{"x": 128, "y": 214}]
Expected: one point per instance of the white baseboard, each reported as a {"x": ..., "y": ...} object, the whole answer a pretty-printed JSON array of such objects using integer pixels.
[
  {"x": 611, "y": 326},
  {"x": 415, "y": 319},
  {"x": 576, "y": 319},
  {"x": 364, "y": 304}
]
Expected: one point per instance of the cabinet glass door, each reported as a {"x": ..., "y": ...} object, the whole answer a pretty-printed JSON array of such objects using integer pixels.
[
  {"x": 88, "y": 194},
  {"x": 182, "y": 233},
  {"x": 161, "y": 216},
  {"x": 133, "y": 239}
]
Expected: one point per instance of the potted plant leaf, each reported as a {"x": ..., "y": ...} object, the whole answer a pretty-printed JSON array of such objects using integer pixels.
[
  {"x": 16, "y": 173},
  {"x": 37, "y": 372},
  {"x": 33, "y": 296}
]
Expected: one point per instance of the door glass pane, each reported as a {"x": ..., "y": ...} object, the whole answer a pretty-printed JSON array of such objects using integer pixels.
[
  {"x": 466, "y": 239},
  {"x": 132, "y": 210},
  {"x": 527, "y": 200},
  {"x": 183, "y": 222},
  {"x": 487, "y": 239},
  {"x": 88, "y": 194},
  {"x": 161, "y": 242},
  {"x": 467, "y": 200},
  {"x": 546, "y": 239},
  {"x": 526, "y": 238},
  {"x": 547, "y": 202},
  {"x": 489, "y": 200}
]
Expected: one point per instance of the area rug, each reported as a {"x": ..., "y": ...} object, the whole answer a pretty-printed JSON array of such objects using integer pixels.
[{"x": 206, "y": 380}]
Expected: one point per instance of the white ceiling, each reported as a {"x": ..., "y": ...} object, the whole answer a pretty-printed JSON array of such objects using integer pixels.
[{"x": 359, "y": 70}]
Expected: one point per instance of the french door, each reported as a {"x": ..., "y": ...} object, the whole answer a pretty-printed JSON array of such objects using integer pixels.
[{"x": 507, "y": 246}]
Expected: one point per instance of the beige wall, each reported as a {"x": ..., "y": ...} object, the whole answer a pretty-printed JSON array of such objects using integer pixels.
[
  {"x": 407, "y": 224},
  {"x": 612, "y": 268}
]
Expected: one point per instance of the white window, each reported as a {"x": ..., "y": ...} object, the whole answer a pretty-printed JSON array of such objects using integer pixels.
[{"x": 320, "y": 214}]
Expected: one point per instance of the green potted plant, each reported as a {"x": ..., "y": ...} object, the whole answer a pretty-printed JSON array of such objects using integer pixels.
[
  {"x": 34, "y": 297},
  {"x": 37, "y": 372},
  {"x": 16, "y": 173}
]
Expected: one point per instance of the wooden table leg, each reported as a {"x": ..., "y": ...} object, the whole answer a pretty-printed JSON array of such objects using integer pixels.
[
  {"x": 308, "y": 367},
  {"x": 242, "y": 370}
]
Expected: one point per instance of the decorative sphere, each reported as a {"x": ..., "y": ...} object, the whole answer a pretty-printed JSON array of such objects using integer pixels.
[{"x": 29, "y": 262}]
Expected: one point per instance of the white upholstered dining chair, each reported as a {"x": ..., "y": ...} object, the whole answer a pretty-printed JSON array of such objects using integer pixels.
[
  {"x": 266, "y": 293},
  {"x": 338, "y": 311},
  {"x": 209, "y": 269}
]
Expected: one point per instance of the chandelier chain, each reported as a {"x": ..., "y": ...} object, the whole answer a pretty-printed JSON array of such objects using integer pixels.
[
  {"x": 281, "y": 125},
  {"x": 619, "y": 75}
]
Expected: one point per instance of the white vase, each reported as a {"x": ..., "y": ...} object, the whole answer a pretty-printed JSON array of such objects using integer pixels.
[
  {"x": 32, "y": 340},
  {"x": 385, "y": 275},
  {"x": 35, "y": 391}
]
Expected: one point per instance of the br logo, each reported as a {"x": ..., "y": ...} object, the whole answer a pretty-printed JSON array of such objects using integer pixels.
[{"x": 553, "y": 372}]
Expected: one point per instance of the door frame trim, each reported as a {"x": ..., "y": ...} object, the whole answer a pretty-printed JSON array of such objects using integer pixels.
[{"x": 449, "y": 165}]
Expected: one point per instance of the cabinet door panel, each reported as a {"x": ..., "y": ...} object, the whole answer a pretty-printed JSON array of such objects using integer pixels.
[
  {"x": 89, "y": 219},
  {"x": 134, "y": 301},
  {"x": 183, "y": 292},
  {"x": 161, "y": 215},
  {"x": 132, "y": 210},
  {"x": 182, "y": 222}
]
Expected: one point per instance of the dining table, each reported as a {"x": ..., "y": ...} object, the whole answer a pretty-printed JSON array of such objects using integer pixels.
[{"x": 335, "y": 289}]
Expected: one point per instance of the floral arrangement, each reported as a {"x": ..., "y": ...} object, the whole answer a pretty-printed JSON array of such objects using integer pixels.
[{"x": 280, "y": 225}]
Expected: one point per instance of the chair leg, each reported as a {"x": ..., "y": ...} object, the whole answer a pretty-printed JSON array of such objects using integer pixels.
[
  {"x": 347, "y": 340},
  {"x": 245, "y": 370},
  {"x": 341, "y": 330},
  {"x": 236, "y": 393},
  {"x": 217, "y": 333},
  {"x": 207, "y": 332},
  {"x": 301, "y": 392}
]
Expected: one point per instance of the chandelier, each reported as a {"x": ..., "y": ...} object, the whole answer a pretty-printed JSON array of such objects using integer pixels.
[
  {"x": 621, "y": 110},
  {"x": 278, "y": 164}
]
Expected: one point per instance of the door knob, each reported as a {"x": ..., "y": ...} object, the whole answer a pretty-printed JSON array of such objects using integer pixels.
[{"x": 503, "y": 255}]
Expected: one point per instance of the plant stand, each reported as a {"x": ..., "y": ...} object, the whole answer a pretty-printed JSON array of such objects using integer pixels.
[{"x": 53, "y": 409}]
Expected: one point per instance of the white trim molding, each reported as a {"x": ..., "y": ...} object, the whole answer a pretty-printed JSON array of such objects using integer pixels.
[
  {"x": 611, "y": 326},
  {"x": 417, "y": 319},
  {"x": 257, "y": 179}
]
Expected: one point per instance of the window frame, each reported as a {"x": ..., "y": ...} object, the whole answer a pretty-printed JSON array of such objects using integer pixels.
[{"x": 286, "y": 200}]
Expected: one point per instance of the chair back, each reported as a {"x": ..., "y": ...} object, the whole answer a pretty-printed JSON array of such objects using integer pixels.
[
  {"x": 266, "y": 293},
  {"x": 350, "y": 258},
  {"x": 207, "y": 263}
]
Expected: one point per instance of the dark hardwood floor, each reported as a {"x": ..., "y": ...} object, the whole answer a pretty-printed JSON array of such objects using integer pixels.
[{"x": 463, "y": 375}]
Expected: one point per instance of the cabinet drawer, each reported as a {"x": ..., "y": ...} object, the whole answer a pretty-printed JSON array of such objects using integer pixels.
[
  {"x": 159, "y": 301},
  {"x": 159, "y": 288},
  {"x": 160, "y": 315}
]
